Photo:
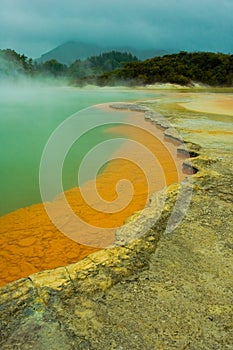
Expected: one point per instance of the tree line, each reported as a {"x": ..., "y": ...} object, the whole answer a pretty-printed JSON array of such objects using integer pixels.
[
  {"x": 12, "y": 63},
  {"x": 214, "y": 69},
  {"x": 114, "y": 68}
]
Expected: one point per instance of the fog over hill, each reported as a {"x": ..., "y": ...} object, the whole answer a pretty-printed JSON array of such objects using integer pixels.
[{"x": 70, "y": 51}]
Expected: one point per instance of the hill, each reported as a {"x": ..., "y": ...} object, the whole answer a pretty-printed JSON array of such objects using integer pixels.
[
  {"x": 115, "y": 67},
  {"x": 71, "y": 51},
  {"x": 96, "y": 65},
  {"x": 13, "y": 64},
  {"x": 215, "y": 69}
]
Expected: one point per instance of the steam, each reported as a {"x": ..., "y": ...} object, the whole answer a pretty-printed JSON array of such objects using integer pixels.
[{"x": 16, "y": 85}]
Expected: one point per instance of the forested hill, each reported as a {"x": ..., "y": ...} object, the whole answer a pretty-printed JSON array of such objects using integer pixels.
[
  {"x": 70, "y": 51},
  {"x": 117, "y": 68},
  {"x": 97, "y": 65},
  {"x": 13, "y": 64},
  {"x": 215, "y": 69}
]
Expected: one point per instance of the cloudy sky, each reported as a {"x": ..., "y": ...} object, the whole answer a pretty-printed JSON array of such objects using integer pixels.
[{"x": 34, "y": 27}]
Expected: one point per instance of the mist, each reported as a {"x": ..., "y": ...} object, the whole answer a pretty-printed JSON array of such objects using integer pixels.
[
  {"x": 18, "y": 84},
  {"x": 35, "y": 27},
  {"x": 30, "y": 111}
]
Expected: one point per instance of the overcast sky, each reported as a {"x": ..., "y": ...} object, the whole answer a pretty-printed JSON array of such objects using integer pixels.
[{"x": 34, "y": 27}]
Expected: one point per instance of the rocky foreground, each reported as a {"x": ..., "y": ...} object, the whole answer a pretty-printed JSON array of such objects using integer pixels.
[{"x": 168, "y": 288}]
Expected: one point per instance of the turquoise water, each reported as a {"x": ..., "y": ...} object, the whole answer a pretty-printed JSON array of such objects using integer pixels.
[{"x": 28, "y": 116}]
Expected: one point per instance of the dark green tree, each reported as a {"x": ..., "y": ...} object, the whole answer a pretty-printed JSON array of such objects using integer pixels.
[{"x": 54, "y": 68}]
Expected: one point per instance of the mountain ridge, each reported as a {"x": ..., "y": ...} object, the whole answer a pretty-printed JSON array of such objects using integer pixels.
[{"x": 71, "y": 51}]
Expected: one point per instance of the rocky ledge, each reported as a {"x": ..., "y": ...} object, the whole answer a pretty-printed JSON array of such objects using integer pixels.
[{"x": 166, "y": 283}]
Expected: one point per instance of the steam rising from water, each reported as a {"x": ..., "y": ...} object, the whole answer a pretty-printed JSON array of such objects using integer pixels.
[{"x": 30, "y": 110}]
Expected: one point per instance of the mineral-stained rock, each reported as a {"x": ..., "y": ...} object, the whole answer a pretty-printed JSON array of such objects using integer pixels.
[
  {"x": 173, "y": 134},
  {"x": 130, "y": 106}
]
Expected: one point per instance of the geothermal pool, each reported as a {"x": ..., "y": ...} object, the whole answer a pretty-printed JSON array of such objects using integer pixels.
[
  {"x": 30, "y": 241},
  {"x": 29, "y": 115}
]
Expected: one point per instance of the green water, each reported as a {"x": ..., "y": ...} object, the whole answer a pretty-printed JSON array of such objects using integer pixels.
[{"x": 29, "y": 114}]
